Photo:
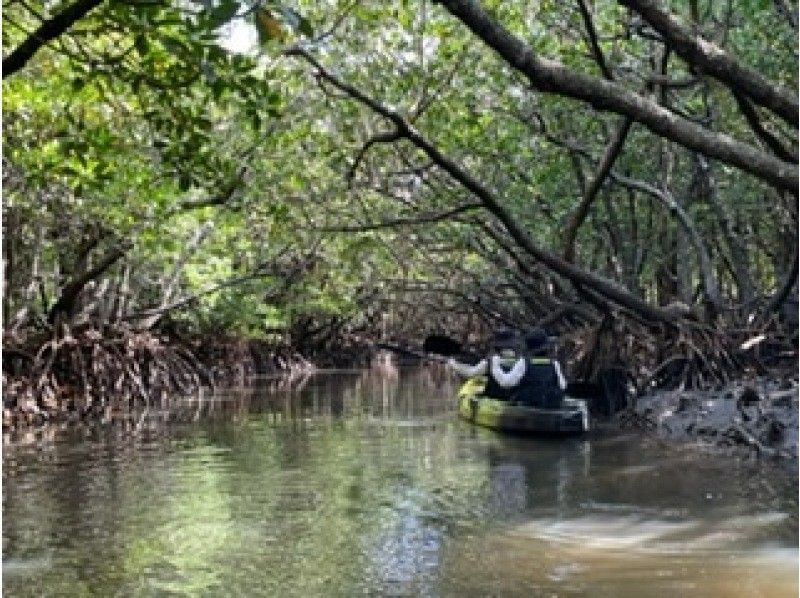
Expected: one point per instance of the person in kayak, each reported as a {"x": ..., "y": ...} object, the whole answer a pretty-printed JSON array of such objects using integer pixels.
[
  {"x": 504, "y": 368},
  {"x": 542, "y": 384}
]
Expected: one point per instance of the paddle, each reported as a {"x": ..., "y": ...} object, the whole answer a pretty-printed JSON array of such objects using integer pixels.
[
  {"x": 403, "y": 350},
  {"x": 441, "y": 345},
  {"x": 426, "y": 353},
  {"x": 449, "y": 347}
]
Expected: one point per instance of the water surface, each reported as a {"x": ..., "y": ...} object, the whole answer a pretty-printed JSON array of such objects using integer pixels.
[{"x": 351, "y": 483}]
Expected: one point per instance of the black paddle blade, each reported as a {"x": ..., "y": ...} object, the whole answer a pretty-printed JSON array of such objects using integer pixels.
[
  {"x": 442, "y": 345},
  {"x": 468, "y": 358}
]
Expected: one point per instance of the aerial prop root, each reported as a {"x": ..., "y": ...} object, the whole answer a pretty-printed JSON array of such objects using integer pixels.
[
  {"x": 80, "y": 372},
  {"x": 684, "y": 354}
]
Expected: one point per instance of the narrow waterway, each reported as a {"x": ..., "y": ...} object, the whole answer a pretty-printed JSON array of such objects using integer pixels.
[{"x": 353, "y": 483}]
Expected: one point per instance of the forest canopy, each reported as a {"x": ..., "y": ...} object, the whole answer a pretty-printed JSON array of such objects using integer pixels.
[{"x": 321, "y": 173}]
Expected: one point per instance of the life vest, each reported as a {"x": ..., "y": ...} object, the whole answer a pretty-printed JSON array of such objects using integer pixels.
[
  {"x": 539, "y": 386},
  {"x": 493, "y": 390}
]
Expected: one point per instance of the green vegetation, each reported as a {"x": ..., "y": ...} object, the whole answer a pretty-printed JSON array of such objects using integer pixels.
[{"x": 365, "y": 169}]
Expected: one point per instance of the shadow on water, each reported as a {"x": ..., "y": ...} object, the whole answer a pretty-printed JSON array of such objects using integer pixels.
[{"x": 351, "y": 482}]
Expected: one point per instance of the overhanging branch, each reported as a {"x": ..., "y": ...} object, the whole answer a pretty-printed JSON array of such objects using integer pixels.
[
  {"x": 716, "y": 62},
  {"x": 573, "y": 273},
  {"x": 46, "y": 32},
  {"x": 551, "y": 76}
]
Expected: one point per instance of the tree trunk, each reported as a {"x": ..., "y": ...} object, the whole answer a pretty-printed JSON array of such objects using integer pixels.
[
  {"x": 740, "y": 256},
  {"x": 64, "y": 307},
  {"x": 170, "y": 283}
]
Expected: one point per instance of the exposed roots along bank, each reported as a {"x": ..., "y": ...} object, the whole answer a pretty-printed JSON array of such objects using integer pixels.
[
  {"x": 83, "y": 373},
  {"x": 687, "y": 355}
]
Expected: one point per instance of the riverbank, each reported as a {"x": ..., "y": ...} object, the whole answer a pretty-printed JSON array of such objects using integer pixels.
[
  {"x": 751, "y": 419},
  {"x": 85, "y": 376},
  {"x": 76, "y": 381}
]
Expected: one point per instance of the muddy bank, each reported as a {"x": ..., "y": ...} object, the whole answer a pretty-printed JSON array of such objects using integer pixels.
[{"x": 753, "y": 419}]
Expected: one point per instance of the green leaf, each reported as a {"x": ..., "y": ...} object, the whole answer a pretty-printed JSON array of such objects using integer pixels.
[
  {"x": 218, "y": 87},
  {"x": 219, "y": 15},
  {"x": 305, "y": 27},
  {"x": 184, "y": 181},
  {"x": 141, "y": 44}
]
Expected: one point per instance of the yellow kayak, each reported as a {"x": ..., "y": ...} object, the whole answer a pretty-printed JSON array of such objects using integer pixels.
[{"x": 571, "y": 418}]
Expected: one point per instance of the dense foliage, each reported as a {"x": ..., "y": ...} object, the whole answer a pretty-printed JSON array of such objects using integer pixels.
[{"x": 342, "y": 170}]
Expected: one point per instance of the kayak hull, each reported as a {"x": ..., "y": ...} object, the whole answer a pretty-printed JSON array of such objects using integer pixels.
[{"x": 572, "y": 418}]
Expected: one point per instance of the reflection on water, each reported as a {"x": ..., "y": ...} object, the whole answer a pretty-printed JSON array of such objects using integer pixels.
[{"x": 352, "y": 483}]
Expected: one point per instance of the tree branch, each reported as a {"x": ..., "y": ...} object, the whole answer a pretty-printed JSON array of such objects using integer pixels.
[
  {"x": 783, "y": 292},
  {"x": 597, "y": 52},
  {"x": 604, "y": 167},
  {"x": 601, "y": 285},
  {"x": 219, "y": 199},
  {"x": 772, "y": 142},
  {"x": 69, "y": 293},
  {"x": 552, "y": 77},
  {"x": 46, "y": 32},
  {"x": 665, "y": 197},
  {"x": 714, "y": 61},
  {"x": 395, "y": 222},
  {"x": 387, "y": 137}
]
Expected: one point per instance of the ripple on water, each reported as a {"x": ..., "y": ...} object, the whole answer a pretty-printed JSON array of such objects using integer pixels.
[{"x": 533, "y": 559}]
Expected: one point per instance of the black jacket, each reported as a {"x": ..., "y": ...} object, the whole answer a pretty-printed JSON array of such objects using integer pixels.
[{"x": 539, "y": 386}]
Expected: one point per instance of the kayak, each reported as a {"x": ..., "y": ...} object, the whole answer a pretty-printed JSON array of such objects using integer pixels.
[{"x": 473, "y": 406}]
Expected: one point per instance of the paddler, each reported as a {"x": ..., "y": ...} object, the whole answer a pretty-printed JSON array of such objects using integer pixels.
[
  {"x": 504, "y": 367},
  {"x": 542, "y": 384}
]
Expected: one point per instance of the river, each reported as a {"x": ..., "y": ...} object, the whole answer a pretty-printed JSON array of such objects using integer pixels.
[{"x": 357, "y": 484}]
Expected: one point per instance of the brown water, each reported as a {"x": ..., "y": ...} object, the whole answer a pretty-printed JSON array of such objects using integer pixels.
[{"x": 356, "y": 484}]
